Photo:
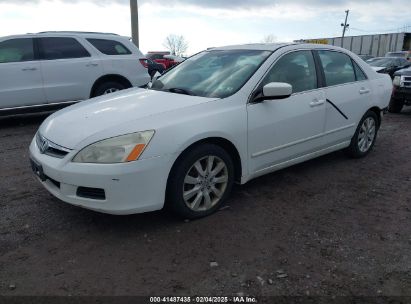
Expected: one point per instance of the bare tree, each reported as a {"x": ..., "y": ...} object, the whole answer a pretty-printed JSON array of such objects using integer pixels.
[
  {"x": 269, "y": 39},
  {"x": 176, "y": 44}
]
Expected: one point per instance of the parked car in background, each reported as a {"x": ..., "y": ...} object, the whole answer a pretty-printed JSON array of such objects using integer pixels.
[
  {"x": 163, "y": 58},
  {"x": 50, "y": 69},
  {"x": 365, "y": 57},
  {"x": 225, "y": 115},
  {"x": 389, "y": 65},
  {"x": 373, "y": 59},
  {"x": 176, "y": 59},
  {"x": 401, "y": 94},
  {"x": 402, "y": 54}
]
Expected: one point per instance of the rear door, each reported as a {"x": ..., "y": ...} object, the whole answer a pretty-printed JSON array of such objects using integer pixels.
[
  {"x": 21, "y": 83},
  {"x": 69, "y": 70},
  {"x": 285, "y": 129},
  {"x": 348, "y": 95}
]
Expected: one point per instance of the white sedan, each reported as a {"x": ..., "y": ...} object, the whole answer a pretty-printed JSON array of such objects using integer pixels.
[{"x": 225, "y": 115}]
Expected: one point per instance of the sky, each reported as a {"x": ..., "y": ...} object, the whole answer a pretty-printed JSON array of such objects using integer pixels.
[{"x": 208, "y": 23}]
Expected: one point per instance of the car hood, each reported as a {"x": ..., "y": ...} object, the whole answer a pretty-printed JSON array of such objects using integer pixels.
[
  {"x": 403, "y": 72},
  {"x": 74, "y": 124}
]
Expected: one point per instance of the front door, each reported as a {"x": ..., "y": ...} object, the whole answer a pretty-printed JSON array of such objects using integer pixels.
[{"x": 286, "y": 129}]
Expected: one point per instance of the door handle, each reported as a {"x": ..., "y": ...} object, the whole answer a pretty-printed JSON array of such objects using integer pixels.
[
  {"x": 29, "y": 69},
  {"x": 92, "y": 65},
  {"x": 316, "y": 103},
  {"x": 364, "y": 91}
]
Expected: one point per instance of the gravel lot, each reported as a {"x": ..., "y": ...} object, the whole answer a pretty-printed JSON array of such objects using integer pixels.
[{"x": 331, "y": 226}]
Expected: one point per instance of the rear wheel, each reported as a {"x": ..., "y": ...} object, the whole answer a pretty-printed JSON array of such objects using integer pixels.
[
  {"x": 365, "y": 136},
  {"x": 395, "y": 105},
  {"x": 200, "y": 182},
  {"x": 108, "y": 87}
]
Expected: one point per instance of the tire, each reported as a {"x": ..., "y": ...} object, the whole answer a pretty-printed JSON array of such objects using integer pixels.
[
  {"x": 395, "y": 105},
  {"x": 364, "y": 138},
  {"x": 204, "y": 194},
  {"x": 108, "y": 86}
]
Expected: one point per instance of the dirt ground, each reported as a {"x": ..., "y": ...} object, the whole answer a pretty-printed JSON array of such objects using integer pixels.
[{"x": 331, "y": 226}]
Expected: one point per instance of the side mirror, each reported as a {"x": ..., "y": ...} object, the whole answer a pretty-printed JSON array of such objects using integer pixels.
[{"x": 277, "y": 90}]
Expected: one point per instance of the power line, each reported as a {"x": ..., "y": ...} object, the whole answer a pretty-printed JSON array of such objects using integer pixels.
[{"x": 404, "y": 28}]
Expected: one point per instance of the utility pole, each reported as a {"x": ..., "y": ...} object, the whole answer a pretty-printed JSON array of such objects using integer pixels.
[
  {"x": 345, "y": 26},
  {"x": 134, "y": 22}
]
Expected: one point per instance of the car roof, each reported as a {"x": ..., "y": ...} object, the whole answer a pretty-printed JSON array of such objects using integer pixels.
[
  {"x": 66, "y": 33},
  {"x": 275, "y": 46}
]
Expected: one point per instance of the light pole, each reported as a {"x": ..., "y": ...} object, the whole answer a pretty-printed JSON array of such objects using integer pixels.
[
  {"x": 134, "y": 22},
  {"x": 345, "y": 26}
]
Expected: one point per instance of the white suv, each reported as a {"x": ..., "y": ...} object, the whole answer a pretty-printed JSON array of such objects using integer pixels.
[{"x": 48, "y": 69}]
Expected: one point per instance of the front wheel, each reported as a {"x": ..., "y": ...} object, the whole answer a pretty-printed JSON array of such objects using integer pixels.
[
  {"x": 365, "y": 136},
  {"x": 200, "y": 181}
]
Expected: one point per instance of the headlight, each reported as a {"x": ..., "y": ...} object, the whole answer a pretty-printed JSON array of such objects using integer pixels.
[
  {"x": 397, "y": 81},
  {"x": 120, "y": 149}
]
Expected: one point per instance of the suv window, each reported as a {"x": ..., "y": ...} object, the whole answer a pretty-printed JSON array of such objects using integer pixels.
[
  {"x": 61, "y": 48},
  {"x": 16, "y": 50},
  {"x": 109, "y": 47},
  {"x": 338, "y": 68},
  {"x": 360, "y": 76},
  {"x": 296, "y": 68}
]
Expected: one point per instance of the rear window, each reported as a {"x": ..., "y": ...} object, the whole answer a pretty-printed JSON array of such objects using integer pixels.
[
  {"x": 338, "y": 68},
  {"x": 109, "y": 47},
  {"x": 61, "y": 48},
  {"x": 16, "y": 50}
]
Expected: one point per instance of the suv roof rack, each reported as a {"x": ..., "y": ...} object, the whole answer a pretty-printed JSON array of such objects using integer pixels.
[{"x": 77, "y": 32}]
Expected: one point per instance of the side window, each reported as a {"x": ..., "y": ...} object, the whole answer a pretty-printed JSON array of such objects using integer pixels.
[
  {"x": 16, "y": 50},
  {"x": 296, "y": 68},
  {"x": 358, "y": 72},
  {"x": 338, "y": 68},
  {"x": 61, "y": 48},
  {"x": 109, "y": 47}
]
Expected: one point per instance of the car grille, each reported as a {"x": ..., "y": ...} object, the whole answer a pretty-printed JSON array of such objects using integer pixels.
[
  {"x": 407, "y": 82},
  {"x": 49, "y": 148}
]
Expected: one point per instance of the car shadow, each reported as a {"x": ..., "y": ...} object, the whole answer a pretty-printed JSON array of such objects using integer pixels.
[{"x": 23, "y": 119}]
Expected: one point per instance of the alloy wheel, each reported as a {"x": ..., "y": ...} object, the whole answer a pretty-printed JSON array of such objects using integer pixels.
[
  {"x": 205, "y": 183},
  {"x": 367, "y": 134},
  {"x": 111, "y": 90}
]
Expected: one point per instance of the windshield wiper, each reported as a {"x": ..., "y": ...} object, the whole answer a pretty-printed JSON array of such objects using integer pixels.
[{"x": 181, "y": 91}]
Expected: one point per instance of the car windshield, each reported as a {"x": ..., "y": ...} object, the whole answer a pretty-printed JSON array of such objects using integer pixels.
[
  {"x": 212, "y": 73},
  {"x": 383, "y": 62}
]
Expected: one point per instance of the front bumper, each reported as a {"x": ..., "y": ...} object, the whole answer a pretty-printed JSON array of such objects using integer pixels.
[
  {"x": 128, "y": 188},
  {"x": 402, "y": 93}
]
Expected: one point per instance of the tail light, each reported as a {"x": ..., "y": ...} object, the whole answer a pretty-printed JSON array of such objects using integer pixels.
[{"x": 144, "y": 63}]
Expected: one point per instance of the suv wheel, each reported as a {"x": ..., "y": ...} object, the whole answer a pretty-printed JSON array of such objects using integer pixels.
[
  {"x": 364, "y": 137},
  {"x": 200, "y": 182},
  {"x": 108, "y": 87}
]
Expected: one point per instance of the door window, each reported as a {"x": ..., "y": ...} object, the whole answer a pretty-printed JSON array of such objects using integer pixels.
[
  {"x": 61, "y": 48},
  {"x": 360, "y": 76},
  {"x": 338, "y": 68},
  {"x": 296, "y": 68},
  {"x": 16, "y": 50},
  {"x": 109, "y": 47}
]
